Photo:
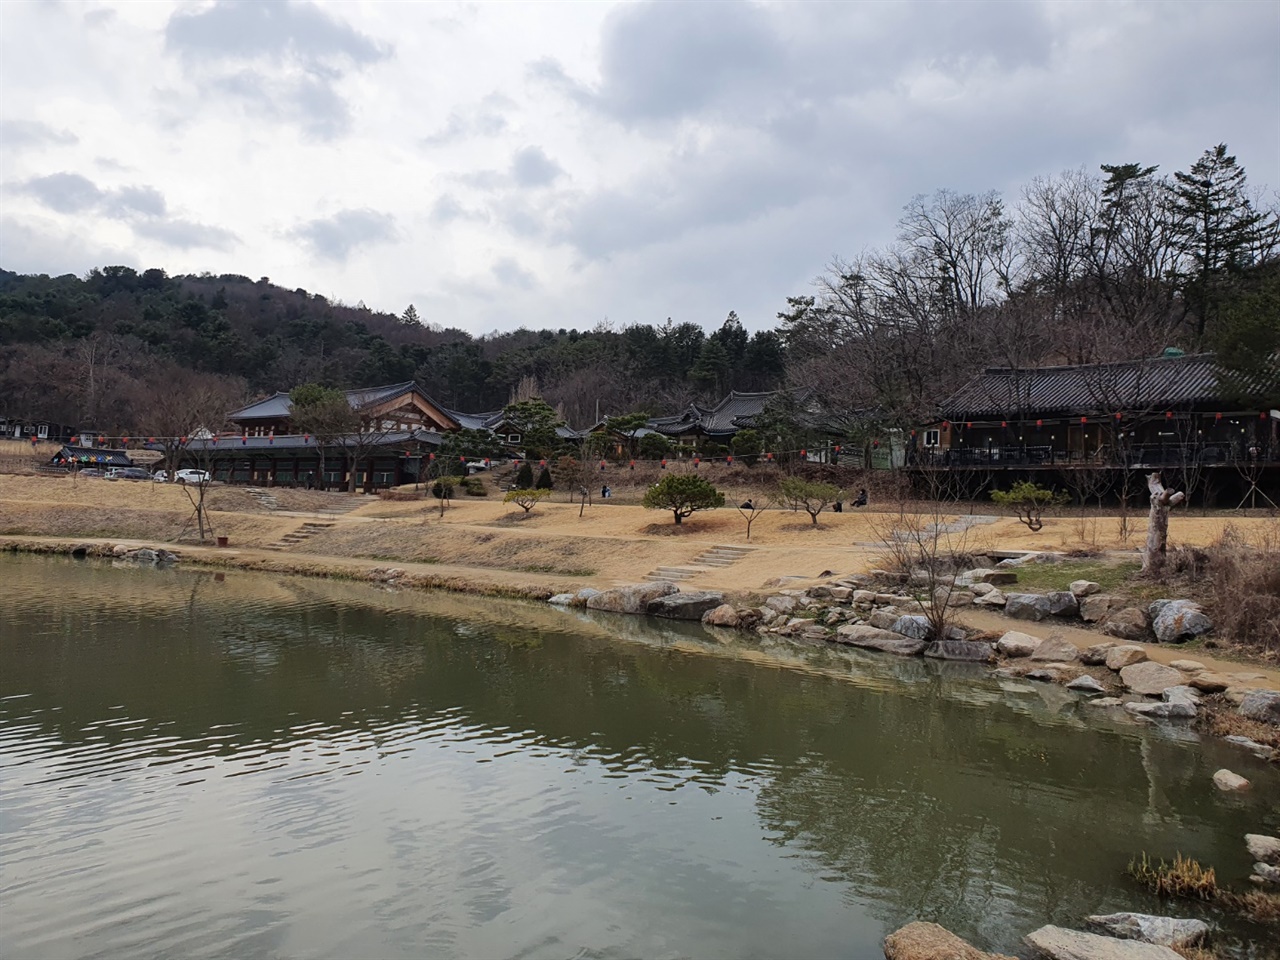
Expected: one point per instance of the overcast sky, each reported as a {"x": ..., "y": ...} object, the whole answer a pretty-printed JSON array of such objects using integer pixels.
[{"x": 554, "y": 165}]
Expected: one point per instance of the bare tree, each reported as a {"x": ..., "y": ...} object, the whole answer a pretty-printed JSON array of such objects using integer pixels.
[
  {"x": 750, "y": 509},
  {"x": 1162, "y": 500}
]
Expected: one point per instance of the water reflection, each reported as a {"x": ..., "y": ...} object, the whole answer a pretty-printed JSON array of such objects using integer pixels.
[{"x": 266, "y": 765}]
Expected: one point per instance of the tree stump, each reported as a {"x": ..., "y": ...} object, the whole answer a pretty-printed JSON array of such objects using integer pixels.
[{"x": 1153, "y": 555}]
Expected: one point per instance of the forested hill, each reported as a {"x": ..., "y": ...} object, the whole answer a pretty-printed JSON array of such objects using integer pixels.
[
  {"x": 134, "y": 332},
  {"x": 1079, "y": 268}
]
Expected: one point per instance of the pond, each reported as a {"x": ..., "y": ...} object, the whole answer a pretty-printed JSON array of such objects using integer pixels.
[{"x": 246, "y": 765}]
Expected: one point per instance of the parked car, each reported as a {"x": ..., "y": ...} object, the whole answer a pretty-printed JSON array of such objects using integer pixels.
[
  {"x": 91, "y": 472},
  {"x": 160, "y": 476},
  {"x": 127, "y": 473},
  {"x": 192, "y": 476}
]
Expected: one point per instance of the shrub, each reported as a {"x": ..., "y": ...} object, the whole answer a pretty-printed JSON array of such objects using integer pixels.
[
  {"x": 526, "y": 499},
  {"x": 1245, "y": 584},
  {"x": 807, "y": 495},
  {"x": 1029, "y": 501},
  {"x": 524, "y": 476},
  {"x": 474, "y": 487},
  {"x": 544, "y": 480}
]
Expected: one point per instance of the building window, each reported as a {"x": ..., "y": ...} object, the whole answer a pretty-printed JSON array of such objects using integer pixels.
[
  {"x": 932, "y": 438},
  {"x": 43, "y": 431},
  {"x": 513, "y": 438}
]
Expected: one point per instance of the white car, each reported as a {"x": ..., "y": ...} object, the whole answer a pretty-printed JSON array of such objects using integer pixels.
[{"x": 192, "y": 476}]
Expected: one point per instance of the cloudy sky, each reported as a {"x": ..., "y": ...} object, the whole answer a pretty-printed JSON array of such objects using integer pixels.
[{"x": 507, "y": 164}]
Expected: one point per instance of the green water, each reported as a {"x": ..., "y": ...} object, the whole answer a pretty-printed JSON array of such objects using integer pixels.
[{"x": 246, "y": 765}]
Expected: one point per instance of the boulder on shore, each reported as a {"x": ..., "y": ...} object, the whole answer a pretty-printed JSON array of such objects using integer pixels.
[
  {"x": 970, "y": 650},
  {"x": 1059, "y": 943},
  {"x": 928, "y": 941},
  {"x": 1263, "y": 848},
  {"x": 633, "y": 598},
  {"x": 1149, "y": 678},
  {"x": 1097, "y": 654},
  {"x": 1131, "y": 623},
  {"x": 1166, "y": 931},
  {"x": 1015, "y": 644},
  {"x": 912, "y": 625},
  {"x": 685, "y": 606},
  {"x": 1176, "y": 621},
  {"x": 1063, "y": 603},
  {"x": 722, "y": 616},
  {"x": 1084, "y": 588},
  {"x": 1057, "y": 649},
  {"x": 1096, "y": 607},
  {"x": 1119, "y": 657},
  {"x": 1172, "y": 710},
  {"x": 1086, "y": 684},
  {"x": 1263, "y": 705},
  {"x": 873, "y": 638},
  {"x": 1026, "y": 606}
]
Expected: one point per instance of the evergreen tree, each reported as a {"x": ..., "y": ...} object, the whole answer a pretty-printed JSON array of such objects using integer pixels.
[
  {"x": 1218, "y": 227},
  {"x": 524, "y": 476},
  {"x": 544, "y": 480}
]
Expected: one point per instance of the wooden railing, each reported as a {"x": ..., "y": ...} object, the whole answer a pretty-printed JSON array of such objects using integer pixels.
[{"x": 1207, "y": 453}]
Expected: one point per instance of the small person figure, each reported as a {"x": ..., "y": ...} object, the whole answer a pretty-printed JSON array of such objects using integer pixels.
[
  {"x": 837, "y": 507},
  {"x": 746, "y": 505},
  {"x": 862, "y": 498},
  {"x": 605, "y": 492}
]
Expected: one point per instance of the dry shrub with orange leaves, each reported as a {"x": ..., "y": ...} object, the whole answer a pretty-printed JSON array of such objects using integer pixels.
[{"x": 1245, "y": 581}]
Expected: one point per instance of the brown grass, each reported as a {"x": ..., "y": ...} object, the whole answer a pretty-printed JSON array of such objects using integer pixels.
[
  {"x": 1182, "y": 878},
  {"x": 1219, "y": 719},
  {"x": 1260, "y": 906},
  {"x": 1245, "y": 582}
]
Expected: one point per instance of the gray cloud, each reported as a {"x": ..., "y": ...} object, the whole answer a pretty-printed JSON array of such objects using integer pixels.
[
  {"x": 448, "y": 209},
  {"x": 64, "y": 192},
  {"x": 336, "y": 237},
  {"x": 186, "y": 234},
  {"x": 488, "y": 119},
  {"x": 20, "y": 134},
  {"x": 283, "y": 60},
  {"x": 531, "y": 167},
  {"x": 509, "y": 273},
  {"x": 146, "y": 201}
]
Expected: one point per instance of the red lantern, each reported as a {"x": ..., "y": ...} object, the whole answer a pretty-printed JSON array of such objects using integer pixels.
[
  {"x": 633, "y": 464},
  {"x": 837, "y": 448},
  {"x": 1004, "y": 423},
  {"x": 102, "y": 439},
  {"x": 1084, "y": 419},
  {"x": 1168, "y": 414},
  {"x": 124, "y": 440},
  {"x": 1262, "y": 415},
  {"x": 664, "y": 464},
  {"x": 306, "y": 438},
  {"x": 74, "y": 439},
  {"x": 1039, "y": 423},
  {"x": 151, "y": 439},
  {"x": 729, "y": 459},
  {"x": 696, "y": 461},
  {"x": 462, "y": 459},
  {"x": 768, "y": 456},
  {"x": 913, "y": 433},
  {"x": 431, "y": 456},
  {"x": 804, "y": 453},
  {"x": 182, "y": 439},
  {"x": 1216, "y": 416},
  {"x": 1118, "y": 416},
  {"x": 486, "y": 461},
  {"x": 542, "y": 463},
  {"x": 969, "y": 424}
]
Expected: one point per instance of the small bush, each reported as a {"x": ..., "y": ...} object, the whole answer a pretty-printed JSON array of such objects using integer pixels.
[
  {"x": 1182, "y": 878},
  {"x": 474, "y": 487},
  {"x": 1245, "y": 584}
]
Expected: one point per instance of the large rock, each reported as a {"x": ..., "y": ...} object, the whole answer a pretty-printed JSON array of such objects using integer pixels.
[
  {"x": 722, "y": 616},
  {"x": 631, "y": 599},
  {"x": 1086, "y": 684},
  {"x": 980, "y": 589},
  {"x": 781, "y": 604},
  {"x": 1264, "y": 848},
  {"x": 1187, "y": 666},
  {"x": 884, "y": 618},
  {"x": 1058, "y": 649},
  {"x": 1181, "y": 692},
  {"x": 1117, "y": 658},
  {"x": 992, "y": 598},
  {"x": 864, "y": 596},
  {"x": 561, "y": 599},
  {"x": 1096, "y": 654},
  {"x": 871, "y": 638},
  {"x": 912, "y": 625},
  {"x": 1149, "y": 678},
  {"x": 1095, "y": 608},
  {"x": 1173, "y": 710},
  {"x": 1176, "y": 621},
  {"x": 1166, "y": 931},
  {"x": 1015, "y": 644},
  {"x": 1230, "y": 782},
  {"x": 1026, "y": 606},
  {"x": 1084, "y": 588},
  {"x": 1263, "y": 705},
  {"x": 1063, "y": 603},
  {"x": 1058, "y": 943},
  {"x": 1265, "y": 873},
  {"x": 972, "y": 650},
  {"x": 685, "y": 606},
  {"x": 928, "y": 941},
  {"x": 1127, "y": 624},
  {"x": 998, "y": 578}
]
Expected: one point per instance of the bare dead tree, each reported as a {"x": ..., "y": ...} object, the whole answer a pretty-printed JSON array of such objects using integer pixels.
[{"x": 1156, "y": 550}]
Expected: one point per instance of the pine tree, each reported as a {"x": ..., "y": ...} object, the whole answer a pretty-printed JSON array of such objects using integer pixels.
[
  {"x": 544, "y": 480},
  {"x": 1218, "y": 227},
  {"x": 524, "y": 477}
]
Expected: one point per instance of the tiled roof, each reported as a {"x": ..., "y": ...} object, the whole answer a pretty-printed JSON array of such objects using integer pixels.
[
  {"x": 277, "y": 406},
  {"x": 475, "y": 421},
  {"x": 233, "y": 443},
  {"x": 95, "y": 455},
  {"x": 1092, "y": 388},
  {"x": 735, "y": 412}
]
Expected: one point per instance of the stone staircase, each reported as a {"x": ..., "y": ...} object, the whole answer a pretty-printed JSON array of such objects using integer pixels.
[
  {"x": 263, "y": 497},
  {"x": 301, "y": 535},
  {"x": 705, "y": 562}
]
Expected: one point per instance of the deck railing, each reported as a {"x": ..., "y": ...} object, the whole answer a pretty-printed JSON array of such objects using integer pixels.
[{"x": 1206, "y": 453}]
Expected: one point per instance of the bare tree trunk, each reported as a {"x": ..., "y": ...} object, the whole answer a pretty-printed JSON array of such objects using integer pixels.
[{"x": 1153, "y": 555}]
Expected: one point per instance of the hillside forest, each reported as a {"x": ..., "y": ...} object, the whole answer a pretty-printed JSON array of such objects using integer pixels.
[{"x": 1079, "y": 267}]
